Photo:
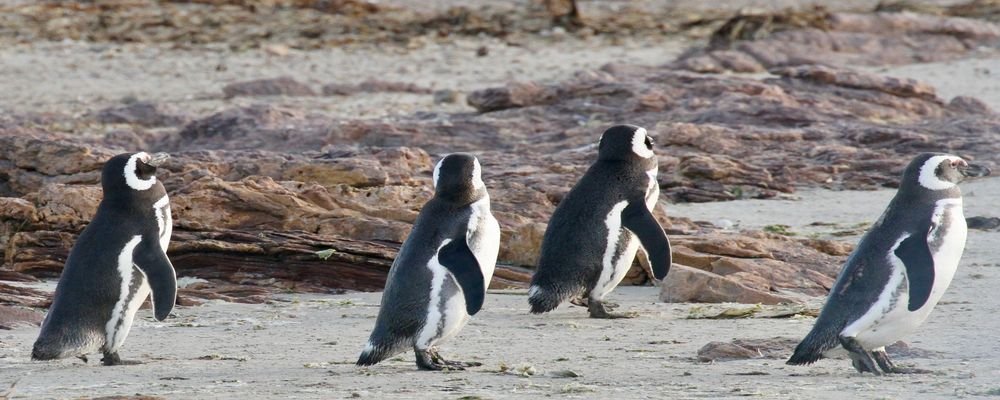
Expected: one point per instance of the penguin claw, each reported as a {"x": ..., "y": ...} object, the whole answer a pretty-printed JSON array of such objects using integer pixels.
[{"x": 598, "y": 310}]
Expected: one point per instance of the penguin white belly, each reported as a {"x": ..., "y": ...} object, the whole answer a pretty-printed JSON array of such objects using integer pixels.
[
  {"x": 622, "y": 245},
  {"x": 446, "y": 313},
  {"x": 891, "y": 320},
  {"x": 133, "y": 291}
]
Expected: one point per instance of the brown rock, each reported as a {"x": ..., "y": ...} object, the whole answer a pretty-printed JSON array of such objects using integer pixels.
[
  {"x": 282, "y": 86},
  {"x": 142, "y": 113},
  {"x": 514, "y": 95},
  {"x": 793, "y": 38},
  {"x": 686, "y": 284},
  {"x": 743, "y": 349},
  {"x": 17, "y": 316},
  {"x": 373, "y": 86}
]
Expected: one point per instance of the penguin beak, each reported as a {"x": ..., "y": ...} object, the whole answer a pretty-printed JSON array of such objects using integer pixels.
[
  {"x": 158, "y": 159},
  {"x": 973, "y": 170}
]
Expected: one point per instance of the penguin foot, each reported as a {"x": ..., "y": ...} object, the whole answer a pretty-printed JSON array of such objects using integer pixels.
[
  {"x": 429, "y": 360},
  {"x": 112, "y": 358},
  {"x": 458, "y": 365},
  {"x": 578, "y": 301},
  {"x": 83, "y": 358},
  {"x": 597, "y": 310},
  {"x": 861, "y": 359},
  {"x": 889, "y": 367}
]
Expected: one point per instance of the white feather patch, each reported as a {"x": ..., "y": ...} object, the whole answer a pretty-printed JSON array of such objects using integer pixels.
[
  {"x": 125, "y": 274},
  {"x": 437, "y": 171},
  {"x": 131, "y": 179},
  {"x": 613, "y": 221},
  {"x": 639, "y": 143},
  {"x": 477, "y": 176},
  {"x": 438, "y": 273},
  {"x": 928, "y": 173}
]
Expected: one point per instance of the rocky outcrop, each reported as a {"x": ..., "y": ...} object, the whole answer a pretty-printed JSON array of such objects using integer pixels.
[
  {"x": 761, "y": 42},
  {"x": 274, "y": 197},
  {"x": 282, "y": 86}
]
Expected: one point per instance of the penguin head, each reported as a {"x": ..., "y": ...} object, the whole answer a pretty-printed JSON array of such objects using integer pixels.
[
  {"x": 458, "y": 177},
  {"x": 132, "y": 174},
  {"x": 626, "y": 143},
  {"x": 939, "y": 172}
]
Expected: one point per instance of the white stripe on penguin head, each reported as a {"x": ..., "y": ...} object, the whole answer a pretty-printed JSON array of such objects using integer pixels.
[
  {"x": 477, "y": 174},
  {"x": 437, "y": 171},
  {"x": 131, "y": 179},
  {"x": 639, "y": 143},
  {"x": 928, "y": 173}
]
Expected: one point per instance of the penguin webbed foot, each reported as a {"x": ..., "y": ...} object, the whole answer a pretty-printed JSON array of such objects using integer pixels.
[
  {"x": 598, "y": 310},
  {"x": 112, "y": 358},
  {"x": 861, "y": 359},
  {"x": 431, "y": 360},
  {"x": 882, "y": 358}
]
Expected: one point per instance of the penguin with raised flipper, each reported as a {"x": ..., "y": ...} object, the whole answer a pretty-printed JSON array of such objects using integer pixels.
[
  {"x": 118, "y": 260},
  {"x": 440, "y": 277},
  {"x": 596, "y": 230},
  {"x": 899, "y": 271}
]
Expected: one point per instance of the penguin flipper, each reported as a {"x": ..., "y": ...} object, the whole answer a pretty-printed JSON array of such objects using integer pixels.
[
  {"x": 638, "y": 220},
  {"x": 915, "y": 253},
  {"x": 153, "y": 262},
  {"x": 458, "y": 258}
]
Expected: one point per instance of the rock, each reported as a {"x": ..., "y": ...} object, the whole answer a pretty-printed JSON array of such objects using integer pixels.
[
  {"x": 858, "y": 80},
  {"x": 282, "y": 86},
  {"x": 722, "y": 351},
  {"x": 373, "y": 86},
  {"x": 516, "y": 94},
  {"x": 447, "y": 96},
  {"x": 970, "y": 105},
  {"x": 686, "y": 284},
  {"x": 743, "y": 349},
  {"x": 758, "y": 42},
  {"x": 983, "y": 223},
  {"x": 12, "y": 317},
  {"x": 142, "y": 113}
]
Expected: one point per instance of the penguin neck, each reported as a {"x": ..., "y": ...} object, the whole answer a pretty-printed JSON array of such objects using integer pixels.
[{"x": 460, "y": 198}]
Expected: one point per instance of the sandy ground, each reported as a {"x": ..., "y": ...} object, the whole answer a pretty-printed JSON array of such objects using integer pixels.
[
  {"x": 303, "y": 346},
  {"x": 76, "y": 77}
]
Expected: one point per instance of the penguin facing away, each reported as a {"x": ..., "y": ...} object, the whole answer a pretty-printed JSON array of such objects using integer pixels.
[
  {"x": 118, "y": 260},
  {"x": 899, "y": 270},
  {"x": 596, "y": 230},
  {"x": 440, "y": 276}
]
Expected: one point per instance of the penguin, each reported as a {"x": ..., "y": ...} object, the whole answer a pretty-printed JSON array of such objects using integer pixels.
[
  {"x": 596, "y": 230},
  {"x": 440, "y": 276},
  {"x": 899, "y": 270},
  {"x": 118, "y": 260}
]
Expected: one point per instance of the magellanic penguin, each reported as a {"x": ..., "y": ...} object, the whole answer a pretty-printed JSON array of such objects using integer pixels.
[
  {"x": 442, "y": 271},
  {"x": 113, "y": 266},
  {"x": 899, "y": 270},
  {"x": 595, "y": 231}
]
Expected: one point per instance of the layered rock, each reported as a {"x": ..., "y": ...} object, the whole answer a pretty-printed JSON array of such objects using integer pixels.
[{"x": 761, "y": 42}]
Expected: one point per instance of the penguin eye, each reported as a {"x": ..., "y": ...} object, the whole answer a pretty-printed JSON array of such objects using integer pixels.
[
  {"x": 956, "y": 163},
  {"x": 649, "y": 143}
]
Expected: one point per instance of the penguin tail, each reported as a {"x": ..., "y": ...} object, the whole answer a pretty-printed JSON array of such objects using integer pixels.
[
  {"x": 811, "y": 348},
  {"x": 374, "y": 353},
  {"x": 544, "y": 299},
  {"x": 45, "y": 350}
]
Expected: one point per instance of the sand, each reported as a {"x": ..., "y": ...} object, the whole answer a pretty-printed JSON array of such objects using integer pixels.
[{"x": 304, "y": 346}]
